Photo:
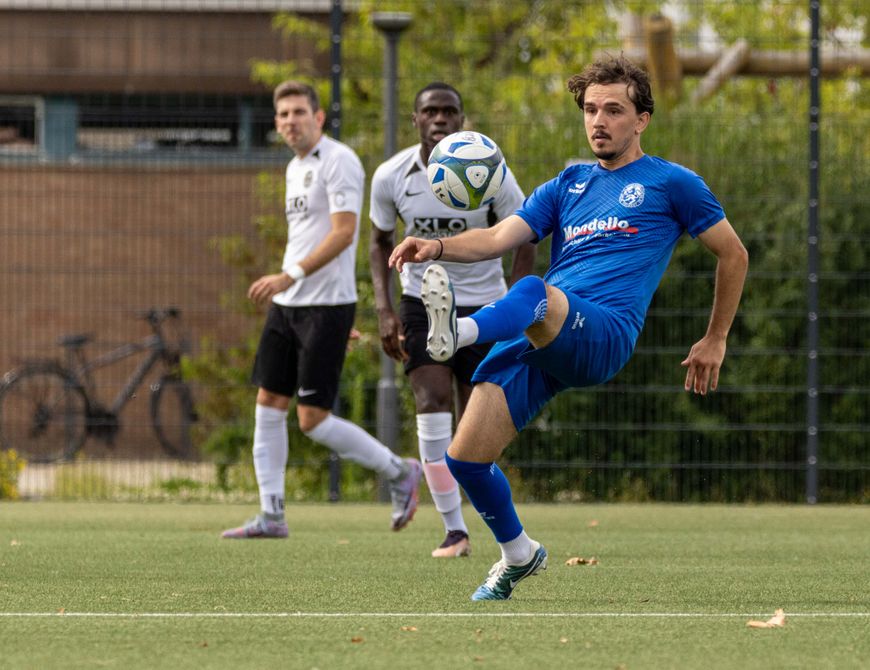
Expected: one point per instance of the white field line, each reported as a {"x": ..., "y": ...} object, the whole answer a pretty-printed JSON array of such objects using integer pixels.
[{"x": 422, "y": 615}]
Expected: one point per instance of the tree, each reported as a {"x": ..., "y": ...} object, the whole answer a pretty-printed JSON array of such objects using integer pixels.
[{"x": 510, "y": 61}]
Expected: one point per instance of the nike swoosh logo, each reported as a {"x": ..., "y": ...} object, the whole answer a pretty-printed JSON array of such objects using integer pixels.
[
  {"x": 530, "y": 571},
  {"x": 408, "y": 194},
  {"x": 304, "y": 392}
]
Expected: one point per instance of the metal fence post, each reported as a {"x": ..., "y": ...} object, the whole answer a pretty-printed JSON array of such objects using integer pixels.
[
  {"x": 392, "y": 25},
  {"x": 335, "y": 130},
  {"x": 813, "y": 266}
]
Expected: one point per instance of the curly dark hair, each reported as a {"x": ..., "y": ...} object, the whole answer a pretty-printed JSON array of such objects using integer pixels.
[{"x": 614, "y": 70}]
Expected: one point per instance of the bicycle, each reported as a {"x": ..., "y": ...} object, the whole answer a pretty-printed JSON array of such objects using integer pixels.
[{"x": 49, "y": 408}]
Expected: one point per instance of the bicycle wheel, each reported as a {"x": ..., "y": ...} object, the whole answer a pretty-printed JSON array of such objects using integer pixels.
[
  {"x": 43, "y": 413},
  {"x": 172, "y": 414}
]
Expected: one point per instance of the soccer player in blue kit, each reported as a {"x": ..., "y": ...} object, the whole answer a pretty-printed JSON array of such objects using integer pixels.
[{"x": 614, "y": 225}]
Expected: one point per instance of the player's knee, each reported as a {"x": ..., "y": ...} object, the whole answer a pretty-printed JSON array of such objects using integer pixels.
[
  {"x": 310, "y": 417},
  {"x": 273, "y": 400},
  {"x": 433, "y": 388},
  {"x": 432, "y": 400}
]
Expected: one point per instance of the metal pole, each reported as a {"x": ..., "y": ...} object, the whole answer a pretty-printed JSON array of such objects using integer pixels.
[
  {"x": 335, "y": 129},
  {"x": 335, "y": 20},
  {"x": 391, "y": 24},
  {"x": 813, "y": 265}
]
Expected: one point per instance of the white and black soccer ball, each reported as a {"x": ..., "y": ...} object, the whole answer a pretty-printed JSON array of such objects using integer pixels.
[{"x": 466, "y": 170}]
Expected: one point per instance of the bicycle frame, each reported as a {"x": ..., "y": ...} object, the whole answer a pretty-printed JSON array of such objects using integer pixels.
[{"x": 82, "y": 368}]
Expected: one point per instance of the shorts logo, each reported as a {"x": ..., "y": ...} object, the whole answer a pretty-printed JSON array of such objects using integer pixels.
[
  {"x": 309, "y": 177},
  {"x": 305, "y": 392},
  {"x": 632, "y": 195}
]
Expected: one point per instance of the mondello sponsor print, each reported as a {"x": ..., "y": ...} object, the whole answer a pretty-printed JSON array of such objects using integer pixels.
[{"x": 596, "y": 225}]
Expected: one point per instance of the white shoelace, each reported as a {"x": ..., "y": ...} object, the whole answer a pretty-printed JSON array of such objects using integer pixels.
[{"x": 495, "y": 573}]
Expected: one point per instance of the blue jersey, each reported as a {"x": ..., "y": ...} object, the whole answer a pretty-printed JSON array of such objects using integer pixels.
[{"x": 614, "y": 231}]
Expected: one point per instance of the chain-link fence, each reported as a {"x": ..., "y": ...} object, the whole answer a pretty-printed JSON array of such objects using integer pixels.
[{"x": 139, "y": 169}]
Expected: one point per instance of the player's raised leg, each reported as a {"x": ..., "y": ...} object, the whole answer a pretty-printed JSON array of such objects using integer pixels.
[{"x": 524, "y": 305}]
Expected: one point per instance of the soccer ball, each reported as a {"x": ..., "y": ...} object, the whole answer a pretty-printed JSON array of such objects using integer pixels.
[{"x": 466, "y": 170}]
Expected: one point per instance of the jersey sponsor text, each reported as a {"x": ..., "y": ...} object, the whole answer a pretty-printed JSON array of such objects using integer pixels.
[
  {"x": 596, "y": 225},
  {"x": 438, "y": 226}
]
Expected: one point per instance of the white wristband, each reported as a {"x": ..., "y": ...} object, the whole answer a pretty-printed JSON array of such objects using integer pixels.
[{"x": 296, "y": 273}]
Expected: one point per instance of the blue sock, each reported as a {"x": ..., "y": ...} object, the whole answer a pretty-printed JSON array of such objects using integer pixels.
[
  {"x": 524, "y": 304},
  {"x": 489, "y": 492}
]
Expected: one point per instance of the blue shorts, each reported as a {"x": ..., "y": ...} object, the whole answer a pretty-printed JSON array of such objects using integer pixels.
[{"x": 592, "y": 347}]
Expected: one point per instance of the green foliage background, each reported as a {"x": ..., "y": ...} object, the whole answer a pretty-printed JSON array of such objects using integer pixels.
[{"x": 639, "y": 436}]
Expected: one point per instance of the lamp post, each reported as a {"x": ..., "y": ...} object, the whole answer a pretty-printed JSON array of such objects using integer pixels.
[{"x": 392, "y": 25}]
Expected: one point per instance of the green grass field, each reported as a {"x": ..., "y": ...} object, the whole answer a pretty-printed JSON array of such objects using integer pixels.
[{"x": 94, "y": 585}]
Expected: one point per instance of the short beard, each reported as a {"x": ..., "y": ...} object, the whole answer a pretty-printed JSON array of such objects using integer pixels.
[{"x": 605, "y": 155}]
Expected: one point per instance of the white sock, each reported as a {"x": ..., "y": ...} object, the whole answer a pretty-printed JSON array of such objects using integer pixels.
[
  {"x": 270, "y": 457},
  {"x": 519, "y": 550},
  {"x": 466, "y": 332},
  {"x": 354, "y": 444},
  {"x": 434, "y": 431}
]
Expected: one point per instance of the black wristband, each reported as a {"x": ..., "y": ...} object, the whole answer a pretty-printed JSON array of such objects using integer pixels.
[{"x": 441, "y": 251}]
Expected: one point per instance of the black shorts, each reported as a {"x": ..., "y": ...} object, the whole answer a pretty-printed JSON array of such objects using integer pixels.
[
  {"x": 302, "y": 351},
  {"x": 415, "y": 327}
]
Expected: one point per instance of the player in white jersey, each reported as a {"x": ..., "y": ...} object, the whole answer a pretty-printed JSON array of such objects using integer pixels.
[
  {"x": 313, "y": 300},
  {"x": 400, "y": 190}
]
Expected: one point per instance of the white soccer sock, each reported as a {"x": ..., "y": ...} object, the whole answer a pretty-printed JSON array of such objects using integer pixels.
[
  {"x": 434, "y": 431},
  {"x": 270, "y": 457},
  {"x": 351, "y": 442},
  {"x": 466, "y": 332},
  {"x": 519, "y": 550}
]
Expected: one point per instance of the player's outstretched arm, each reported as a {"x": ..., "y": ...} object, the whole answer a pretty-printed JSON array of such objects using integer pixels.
[
  {"x": 470, "y": 246},
  {"x": 706, "y": 355},
  {"x": 415, "y": 250}
]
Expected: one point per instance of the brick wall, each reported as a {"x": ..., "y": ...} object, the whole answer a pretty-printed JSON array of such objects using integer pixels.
[{"x": 82, "y": 250}]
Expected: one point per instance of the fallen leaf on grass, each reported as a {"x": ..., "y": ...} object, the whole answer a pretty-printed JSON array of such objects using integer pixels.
[
  {"x": 344, "y": 541},
  {"x": 357, "y": 639},
  {"x": 563, "y": 640},
  {"x": 593, "y": 523},
  {"x": 203, "y": 644},
  {"x": 578, "y": 560},
  {"x": 410, "y": 628},
  {"x": 61, "y": 610},
  {"x": 776, "y": 621}
]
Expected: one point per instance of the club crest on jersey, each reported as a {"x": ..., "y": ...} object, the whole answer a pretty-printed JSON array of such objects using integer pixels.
[
  {"x": 632, "y": 195},
  {"x": 309, "y": 177}
]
